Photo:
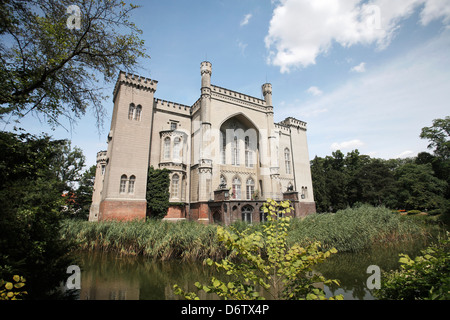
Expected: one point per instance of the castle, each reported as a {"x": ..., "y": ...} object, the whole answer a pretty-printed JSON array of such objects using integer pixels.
[{"x": 225, "y": 154}]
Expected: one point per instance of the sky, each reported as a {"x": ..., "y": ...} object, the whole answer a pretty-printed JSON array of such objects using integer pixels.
[{"x": 366, "y": 75}]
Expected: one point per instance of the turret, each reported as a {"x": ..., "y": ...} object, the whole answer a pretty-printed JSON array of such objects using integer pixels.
[{"x": 267, "y": 93}]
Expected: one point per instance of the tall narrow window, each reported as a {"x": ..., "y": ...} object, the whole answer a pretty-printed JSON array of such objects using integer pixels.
[
  {"x": 248, "y": 154},
  {"x": 250, "y": 188},
  {"x": 131, "y": 184},
  {"x": 123, "y": 184},
  {"x": 236, "y": 188},
  {"x": 287, "y": 160},
  {"x": 167, "y": 148},
  {"x": 176, "y": 148},
  {"x": 131, "y": 112},
  {"x": 175, "y": 185},
  {"x": 235, "y": 149},
  {"x": 223, "y": 146},
  {"x": 137, "y": 114}
]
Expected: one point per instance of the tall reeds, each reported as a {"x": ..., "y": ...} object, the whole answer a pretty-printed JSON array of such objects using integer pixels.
[{"x": 347, "y": 230}]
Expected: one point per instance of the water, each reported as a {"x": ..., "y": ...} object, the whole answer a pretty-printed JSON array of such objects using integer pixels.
[{"x": 115, "y": 277}]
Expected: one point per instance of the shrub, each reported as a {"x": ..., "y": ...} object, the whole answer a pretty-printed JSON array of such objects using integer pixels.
[
  {"x": 265, "y": 261},
  {"x": 427, "y": 277}
]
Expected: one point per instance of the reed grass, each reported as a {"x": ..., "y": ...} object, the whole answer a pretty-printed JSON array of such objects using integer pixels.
[{"x": 349, "y": 230}]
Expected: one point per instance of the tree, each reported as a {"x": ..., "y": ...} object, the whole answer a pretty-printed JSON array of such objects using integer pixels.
[
  {"x": 30, "y": 215},
  {"x": 52, "y": 53},
  {"x": 83, "y": 194},
  {"x": 158, "y": 184},
  {"x": 263, "y": 260},
  {"x": 418, "y": 188},
  {"x": 439, "y": 136}
]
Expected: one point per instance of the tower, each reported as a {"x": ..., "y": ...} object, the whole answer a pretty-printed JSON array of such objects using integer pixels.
[
  {"x": 125, "y": 179},
  {"x": 98, "y": 186}
]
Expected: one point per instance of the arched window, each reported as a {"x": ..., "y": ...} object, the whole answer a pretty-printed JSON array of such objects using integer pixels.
[
  {"x": 262, "y": 215},
  {"x": 176, "y": 148},
  {"x": 137, "y": 115},
  {"x": 167, "y": 148},
  {"x": 175, "y": 185},
  {"x": 223, "y": 146},
  {"x": 123, "y": 184},
  {"x": 248, "y": 154},
  {"x": 236, "y": 188},
  {"x": 287, "y": 160},
  {"x": 247, "y": 214},
  {"x": 235, "y": 152},
  {"x": 131, "y": 112},
  {"x": 131, "y": 184},
  {"x": 250, "y": 188}
]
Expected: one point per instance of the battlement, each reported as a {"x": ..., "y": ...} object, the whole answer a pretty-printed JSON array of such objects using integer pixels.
[
  {"x": 243, "y": 98},
  {"x": 292, "y": 122},
  {"x": 102, "y": 156},
  {"x": 135, "y": 81},
  {"x": 172, "y": 106}
]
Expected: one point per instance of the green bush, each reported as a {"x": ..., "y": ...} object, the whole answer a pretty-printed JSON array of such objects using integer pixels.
[
  {"x": 412, "y": 212},
  {"x": 427, "y": 277}
]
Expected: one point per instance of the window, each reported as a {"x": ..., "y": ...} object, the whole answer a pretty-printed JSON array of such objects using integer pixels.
[
  {"x": 137, "y": 115},
  {"x": 103, "y": 169},
  {"x": 236, "y": 188},
  {"x": 131, "y": 112},
  {"x": 248, "y": 154},
  {"x": 176, "y": 149},
  {"x": 287, "y": 160},
  {"x": 250, "y": 188},
  {"x": 223, "y": 147},
  {"x": 131, "y": 184},
  {"x": 173, "y": 125},
  {"x": 123, "y": 184},
  {"x": 175, "y": 185},
  {"x": 167, "y": 148},
  {"x": 262, "y": 215},
  {"x": 247, "y": 214},
  {"x": 235, "y": 155}
]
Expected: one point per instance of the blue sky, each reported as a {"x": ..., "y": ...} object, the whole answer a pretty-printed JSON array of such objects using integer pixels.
[{"x": 362, "y": 74}]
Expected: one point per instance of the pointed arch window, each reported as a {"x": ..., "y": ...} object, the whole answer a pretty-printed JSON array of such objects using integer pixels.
[
  {"x": 131, "y": 112},
  {"x": 287, "y": 160},
  {"x": 131, "y": 184},
  {"x": 250, "y": 188},
  {"x": 176, "y": 148},
  {"x": 248, "y": 153},
  {"x": 236, "y": 188},
  {"x": 167, "y": 148},
  {"x": 138, "y": 113},
  {"x": 123, "y": 184},
  {"x": 175, "y": 185},
  {"x": 235, "y": 152}
]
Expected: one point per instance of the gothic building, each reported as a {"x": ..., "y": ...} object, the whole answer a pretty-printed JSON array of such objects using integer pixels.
[{"x": 225, "y": 155}]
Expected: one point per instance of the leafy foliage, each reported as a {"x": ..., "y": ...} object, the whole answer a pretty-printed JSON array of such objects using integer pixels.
[
  {"x": 31, "y": 202},
  {"x": 12, "y": 290},
  {"x": 51, "y": 70},
  {"x": 263, "y": 261},
  {"x": 158, "y": 184},
  {"x": 427, "y": 277}
]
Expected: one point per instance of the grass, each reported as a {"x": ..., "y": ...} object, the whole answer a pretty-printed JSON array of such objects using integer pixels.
[{"x": 349, "y": 230}]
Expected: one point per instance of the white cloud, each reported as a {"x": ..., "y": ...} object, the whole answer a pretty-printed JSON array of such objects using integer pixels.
[
  {"x": 387, "y": 106},
  {"x": 359, "y": 68},
  {"x": 246, "y": 19},
  {"x": 347, "y": 145},
  {"x": 301, "y": 30},
  {"x": 315, "y": 91}
]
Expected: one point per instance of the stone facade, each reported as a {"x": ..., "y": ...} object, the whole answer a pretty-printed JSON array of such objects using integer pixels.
[{"x": 226, "y": 143}]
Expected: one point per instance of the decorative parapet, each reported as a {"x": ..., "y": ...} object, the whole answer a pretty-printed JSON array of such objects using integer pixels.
[
  {"x": 240, "y": 98},
  {"x": 102, "y": 156},
  {"x": 292, "y": 122},
  {"x": 134, "y": 81},
  {"x": 172, "y": 107}
]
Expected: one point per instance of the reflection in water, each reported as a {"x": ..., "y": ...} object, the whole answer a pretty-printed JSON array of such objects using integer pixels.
[{"x": 115, "y": 277}]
